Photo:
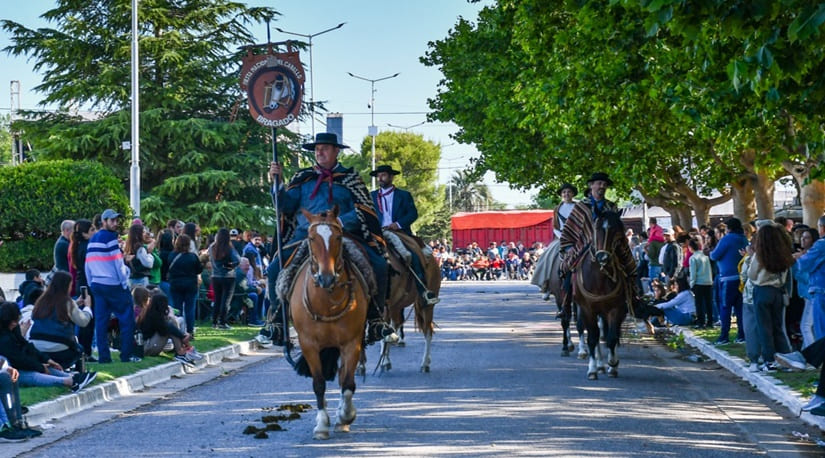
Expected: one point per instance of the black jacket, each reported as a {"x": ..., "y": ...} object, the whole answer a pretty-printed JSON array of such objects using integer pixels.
[
  {"x": 21, "y": 353},
  {"x": 671, "y": 259}
]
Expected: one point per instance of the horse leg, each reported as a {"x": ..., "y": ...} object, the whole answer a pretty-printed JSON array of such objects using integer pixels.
[
  {"x": 319, "y": 385},
  {"x": 424, "y": 321},
  {"x": 401, "y": 342},
  {"x": 613, "y": 334},
  {"x": 346, "y": 377},
  {"x": 386, "y": 364},
  {"x": 580, "y": 329},
  {"x": 361, "y": 368},
  {"x": 593, "y": 346},
  {"x": 565, "y": 335}
]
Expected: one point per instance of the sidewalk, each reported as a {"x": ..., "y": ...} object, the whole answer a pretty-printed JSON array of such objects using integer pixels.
[
  {"x": 210, "y": 367},
  {"x": 764, "y": 382}
]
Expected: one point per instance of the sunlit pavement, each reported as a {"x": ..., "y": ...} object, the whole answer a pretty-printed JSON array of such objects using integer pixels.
[{"x": 498, "y": 387}]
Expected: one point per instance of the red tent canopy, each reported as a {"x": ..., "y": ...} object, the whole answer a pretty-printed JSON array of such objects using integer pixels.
[{"x": 527, "y": 226}]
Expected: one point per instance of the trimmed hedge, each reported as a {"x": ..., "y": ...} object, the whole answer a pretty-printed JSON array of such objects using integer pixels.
[{"x": 36, "y": 196}]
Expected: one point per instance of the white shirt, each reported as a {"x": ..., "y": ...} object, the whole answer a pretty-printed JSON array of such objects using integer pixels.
[
  {"x": 386, "y": 205},
  {"x": 564, "y": 212}
]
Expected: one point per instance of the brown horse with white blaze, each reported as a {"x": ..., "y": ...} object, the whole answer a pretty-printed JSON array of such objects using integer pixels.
[{"x": 329, "y": 307}]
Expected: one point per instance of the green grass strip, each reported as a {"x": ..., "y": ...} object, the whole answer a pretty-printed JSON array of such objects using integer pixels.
[{"x": 206, "y": 339}]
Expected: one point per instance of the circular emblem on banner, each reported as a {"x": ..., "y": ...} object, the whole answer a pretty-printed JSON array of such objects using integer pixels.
[{"x": 274, "y": 84}]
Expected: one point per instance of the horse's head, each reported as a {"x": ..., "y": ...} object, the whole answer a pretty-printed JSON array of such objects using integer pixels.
[
  {"x": 325, "y": 236},
  {"x": 607, "y": 229}
]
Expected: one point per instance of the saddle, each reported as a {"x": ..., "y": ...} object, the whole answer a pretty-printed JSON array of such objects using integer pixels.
[
  {"x": 407, "y": 246},
  {"x": 353, "y": 253}
]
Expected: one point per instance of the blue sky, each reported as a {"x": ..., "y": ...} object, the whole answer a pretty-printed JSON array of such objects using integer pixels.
[{"x": 379, "y": 39}]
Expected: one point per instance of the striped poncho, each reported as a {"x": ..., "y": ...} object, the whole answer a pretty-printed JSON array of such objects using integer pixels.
[{"x": 578, "y": 232}]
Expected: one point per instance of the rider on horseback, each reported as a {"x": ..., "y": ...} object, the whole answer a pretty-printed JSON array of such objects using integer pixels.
[
  {"x": 318, "y": 189},
  {"x": 396, "y": 211},
  {"x": 573, "y": 243}
]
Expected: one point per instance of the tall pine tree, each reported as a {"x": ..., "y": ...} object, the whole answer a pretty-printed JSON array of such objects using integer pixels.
[{"x": 202, "y": 157}]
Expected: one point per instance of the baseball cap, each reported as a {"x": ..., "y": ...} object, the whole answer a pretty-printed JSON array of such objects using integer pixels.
[
  {"x": 667, "y": 231},
  {"x": 109, "y": 214},
  {"x": 233, "y": 232}
]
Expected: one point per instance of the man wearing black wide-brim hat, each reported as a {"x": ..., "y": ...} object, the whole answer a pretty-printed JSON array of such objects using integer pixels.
[
  {"x": 397, "y": 212},
  {"x": 318, "y": 189},
  {"x": 578, "y": 229}
]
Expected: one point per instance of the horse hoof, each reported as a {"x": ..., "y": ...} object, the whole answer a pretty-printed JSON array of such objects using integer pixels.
[
  {"x": 386, "y": 367},
  {"x": 425, "y": 369},
  {"x": 571, "y": 347},
  {"x": 565, "y": 353},
  {"x": 401, "y": 343},
  {"x": 582, "y": 355},
  {"x": 593, "y": 376},
  {"x": 320, "y": 435},
  {"x": 603, "y": 370},
  {"x": 613, "y": 373},
  {"x": 342, "y": 428}
]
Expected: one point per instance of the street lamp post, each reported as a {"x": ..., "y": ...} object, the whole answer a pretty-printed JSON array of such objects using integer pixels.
[
  {"x": 311, "y": 82},
  {"x": 134, "y": 173},
  {"x": 373, "y": 131},
  {"x": 406, "y": 128}
]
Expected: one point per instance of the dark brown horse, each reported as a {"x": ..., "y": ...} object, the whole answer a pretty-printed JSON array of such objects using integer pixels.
[
  {"x": 404, "y": 292},
  {"x": 600, "y": 289},
  {"x": 329, "y": 308}
]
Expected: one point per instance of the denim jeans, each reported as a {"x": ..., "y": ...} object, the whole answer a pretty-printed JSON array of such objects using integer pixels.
[
  {"x": 654, "y": 272},
  {"x": 53, "y": 378},
  {"x": 678, "y": 317},
  {"x": 186, "y": 302},
  {"x": 11, "y": 412},
  {"x": 224, "y": 288},
  {"x": 806, "y": 323},
  {"x": 731, "y": 304}
]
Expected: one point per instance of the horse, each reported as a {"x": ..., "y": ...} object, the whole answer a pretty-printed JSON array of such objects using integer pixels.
[
  {"x": 329, "y": 307},
  {"x": 601, "y": 290},
  {"x": 403, "y": 293},
  {"x": 551, "y": 283}
]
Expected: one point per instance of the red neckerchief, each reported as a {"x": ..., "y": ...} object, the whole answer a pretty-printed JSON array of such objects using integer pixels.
[
  {"x": 323, "y": 174},
  {"x": 381, "y": 195}
]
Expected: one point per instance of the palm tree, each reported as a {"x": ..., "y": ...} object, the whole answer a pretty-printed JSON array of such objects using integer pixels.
[{"x": 467, "y": 194}]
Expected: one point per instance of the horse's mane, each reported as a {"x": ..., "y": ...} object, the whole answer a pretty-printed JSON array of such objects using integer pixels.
[{"x": 614, "y": 219}]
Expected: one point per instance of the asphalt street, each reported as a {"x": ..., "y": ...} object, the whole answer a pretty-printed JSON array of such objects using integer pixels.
[{"x": 498, "y": 387}]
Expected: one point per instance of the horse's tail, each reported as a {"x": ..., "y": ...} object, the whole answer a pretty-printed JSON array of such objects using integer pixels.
[{"x": 329, "y": 364}]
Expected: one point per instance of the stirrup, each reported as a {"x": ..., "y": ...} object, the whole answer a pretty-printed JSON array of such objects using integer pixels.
[
  {"x": 430, "y": 298},
  {"x": 379, "y": 330}
]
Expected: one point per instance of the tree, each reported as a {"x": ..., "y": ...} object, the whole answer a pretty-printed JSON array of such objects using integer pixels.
[
  {"x": 467, "y": 194},
  {"x": 547, "y": 96},
  {"x": 5, "y": 140},
  {"x": 202, "y": 157},
  {"x": 417, "y": 160}
]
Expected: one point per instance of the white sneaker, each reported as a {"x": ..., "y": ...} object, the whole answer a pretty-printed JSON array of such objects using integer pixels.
[
  {"x": 794, "y": 360},
  {"x": 753, "y": 367},
  {"x": 263, "y": 340},
  {"x": 815, "y": 402}
]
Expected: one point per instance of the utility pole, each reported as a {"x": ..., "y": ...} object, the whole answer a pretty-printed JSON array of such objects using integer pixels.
[
  {"x": 17, "y": 156},
  {"x": 134, "y": 173}
]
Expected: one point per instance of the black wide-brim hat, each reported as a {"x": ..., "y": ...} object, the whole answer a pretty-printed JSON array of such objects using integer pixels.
[
  {"x": 600, "y": 176},
  {"x": 567, "y": 186},
  {"x": 384, "y": 168},
  {"x": 324, "y": 138}
]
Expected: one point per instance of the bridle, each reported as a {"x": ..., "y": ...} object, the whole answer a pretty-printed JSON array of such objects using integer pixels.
[{"x": 313, "y": 273}]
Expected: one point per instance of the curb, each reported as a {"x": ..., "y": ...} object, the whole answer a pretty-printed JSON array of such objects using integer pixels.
[
  {"x": 96, "y": 395},
  {"x": 765, "y": 383}
]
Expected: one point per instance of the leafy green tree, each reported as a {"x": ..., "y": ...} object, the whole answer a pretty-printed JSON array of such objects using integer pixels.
[
  {"x": 417, "y": 160},
  {"x": 467, "y": 194},
  {"x": 202, "y": 157},
  {"x": 5, "y": 140}
]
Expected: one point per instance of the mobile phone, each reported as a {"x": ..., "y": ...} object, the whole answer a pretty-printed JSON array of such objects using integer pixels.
[{"x": 84, "y": 291}]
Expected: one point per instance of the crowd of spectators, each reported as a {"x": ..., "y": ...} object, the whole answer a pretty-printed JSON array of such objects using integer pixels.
[
  {"x": 500, "y": 261},
  {"x": 766, "y": 278},
  {"x": 123, "y": 291}
]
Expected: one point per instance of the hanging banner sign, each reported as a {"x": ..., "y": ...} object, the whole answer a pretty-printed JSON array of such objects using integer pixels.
[{"x": 274, "y": 84}]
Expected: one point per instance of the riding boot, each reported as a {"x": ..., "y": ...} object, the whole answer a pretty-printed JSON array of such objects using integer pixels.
[
  {"x": 430, "y": 298},
  {"x": 377, "y": 328},
  {"x": 273, "y": 331}
]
